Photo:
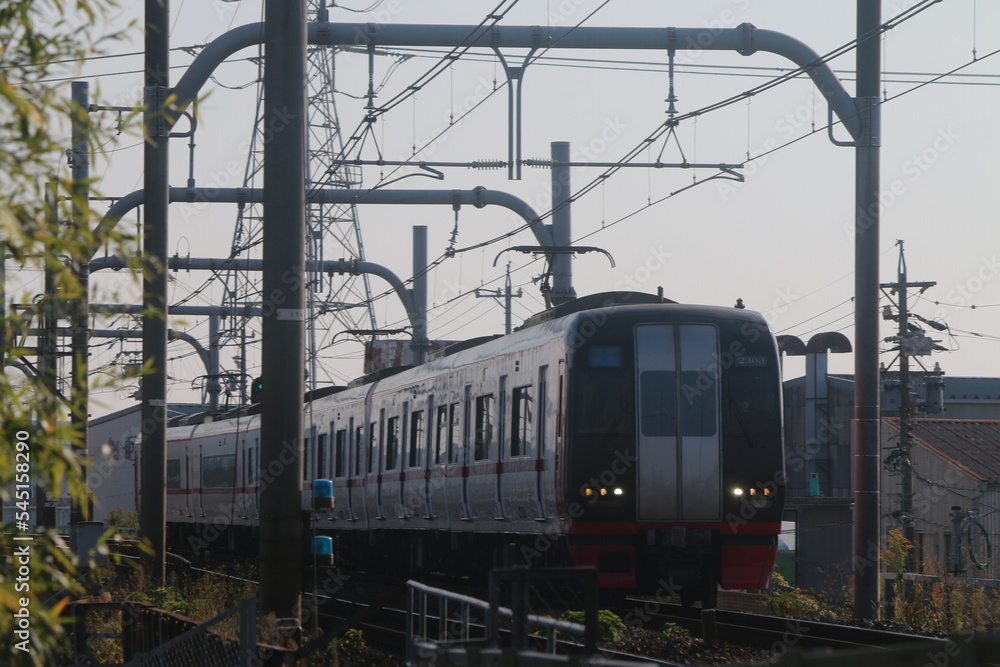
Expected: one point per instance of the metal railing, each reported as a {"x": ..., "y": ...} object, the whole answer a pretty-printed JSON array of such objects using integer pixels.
[{"x": 437, "y": 619}]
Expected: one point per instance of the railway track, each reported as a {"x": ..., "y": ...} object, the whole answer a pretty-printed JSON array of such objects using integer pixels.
[{"x": 758, "y": 629}]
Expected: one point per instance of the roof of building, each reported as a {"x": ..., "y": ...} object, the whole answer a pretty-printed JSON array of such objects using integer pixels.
[
  {"x": 971, "y": 388},
  {"x": 971, "y": 444},
  {"x": 956, "y": 389}
]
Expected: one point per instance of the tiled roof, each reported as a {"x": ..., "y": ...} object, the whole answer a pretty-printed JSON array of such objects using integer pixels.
[{"x": 972, "y": 444}]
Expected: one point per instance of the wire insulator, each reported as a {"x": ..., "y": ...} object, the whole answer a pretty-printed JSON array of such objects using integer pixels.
[{"x": 489, "y": 164}]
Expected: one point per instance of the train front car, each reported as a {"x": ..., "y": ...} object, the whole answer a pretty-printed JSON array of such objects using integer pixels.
[{"x": 674, "y": 470}]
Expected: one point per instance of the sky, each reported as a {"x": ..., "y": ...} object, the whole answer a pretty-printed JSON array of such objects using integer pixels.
[{"x": 781, "y": 240}]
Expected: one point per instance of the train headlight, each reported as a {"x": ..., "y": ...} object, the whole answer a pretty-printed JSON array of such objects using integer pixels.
[
  {"x": 619, "y": 491},
  {"x": 589, "y": 492},
  {"x": 737, "y": 491},
  {"x": 760, "y": 498}
]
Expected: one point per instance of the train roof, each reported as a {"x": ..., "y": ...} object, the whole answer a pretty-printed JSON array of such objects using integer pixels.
[{"x": 551, "y": 324}]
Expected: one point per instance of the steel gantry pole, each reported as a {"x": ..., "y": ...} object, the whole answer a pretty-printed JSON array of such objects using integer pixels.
[
  {"x": 865, "y": 428},
  {"x": 153, "y": 505},
  {"x": 283, "y": 327}
]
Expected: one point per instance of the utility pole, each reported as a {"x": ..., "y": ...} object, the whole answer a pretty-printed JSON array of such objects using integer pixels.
[
  {"x": 80, "y": 310},
  {"x": 153, "y": 476},
  {"x": 908, "y": 345},
  {"x": 507, "y": 295}
]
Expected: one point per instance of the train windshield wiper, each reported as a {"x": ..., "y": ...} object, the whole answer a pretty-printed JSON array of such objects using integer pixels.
[{"x": 741, "y": 419}]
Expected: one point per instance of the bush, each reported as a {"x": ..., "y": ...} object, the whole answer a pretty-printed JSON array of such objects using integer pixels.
[
  {"x": 785, "y": 600},
  {"x": 674, "y": 630},
  {"x": 609, "y": 625}
]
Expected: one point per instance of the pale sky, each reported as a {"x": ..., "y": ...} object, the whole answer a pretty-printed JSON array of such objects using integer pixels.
[{"x": 781, "y": 241}]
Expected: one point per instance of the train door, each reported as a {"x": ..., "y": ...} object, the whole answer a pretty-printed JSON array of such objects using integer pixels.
[
  {"x": 241, "y": 474},
  {"x": 519, "y": 444},
  {"x": 201, "y": 482},
  {"x": 378, "y": 445},
  {"x": 500, "y": 513},
  {"x": 465, "y": 455},
  {"x": 541, "y": 423},
  {"x": 255, "y": 459},
  {"x": 426, "y": 437},
  {"x": 251, "y": 481},
  {"x": 188, "y": 482},
  {"x": 679, "y": 458},
  {"x": 448, "y": 455},
  {"x": 356, "y": 474}
]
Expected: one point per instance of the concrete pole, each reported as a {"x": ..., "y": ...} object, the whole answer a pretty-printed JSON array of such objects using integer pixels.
[
  {"x": 283, "y": 353},
  {"x": 213, "y": 385},
  {"x": 420, "y": 342},
  {"x": 562, "y": 231},
  {"x": 865, "y": 429},
  {"x": 153, "y": 506}
]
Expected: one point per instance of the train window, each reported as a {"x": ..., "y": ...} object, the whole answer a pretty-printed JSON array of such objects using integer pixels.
[
  {"x": 521, "y": 419},
  {"x": 321, "y": 456},
  {"x": 484, "y": 427},
  {"x": 453, "y": 431},
  {"x": 218, "y": 471},
  {"x": 173, "y": 474},
  {"x": 339, "y": 453},
  {"x": 416, "y": 437},
  {"x": 441, "y": 439},
  {"x": 392, "y": 443}
]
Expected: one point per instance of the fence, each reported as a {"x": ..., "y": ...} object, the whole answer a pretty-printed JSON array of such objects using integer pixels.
[
  {"x": 446, "y": 628},
  {"x": 149, "y": 637}
]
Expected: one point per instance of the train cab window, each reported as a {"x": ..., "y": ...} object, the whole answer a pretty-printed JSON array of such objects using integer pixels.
[
  {"x": 603, "y": 402},
  {"x": 339, "y": 453},
  {"x": 522, "y": 417},
  {"x": 392, "y": 443},
  {"x": 441, "y": 440},
  {"x": 484, "y": 427},
  {"x": 658, "y": 396},
  {"x": 416, "y": 438},
  {"x": 218, "y": 472},
  {"x": 173, "y": 474},
  {"x": 321, "y": 456}
]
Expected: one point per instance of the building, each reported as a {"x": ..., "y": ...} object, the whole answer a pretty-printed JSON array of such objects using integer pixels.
[
  {"x": 954, "y": 465},
  {"x": 818, "y": 412}
]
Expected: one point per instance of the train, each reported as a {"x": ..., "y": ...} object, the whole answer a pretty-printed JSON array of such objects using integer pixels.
[{"x": 620, "y": 431}]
